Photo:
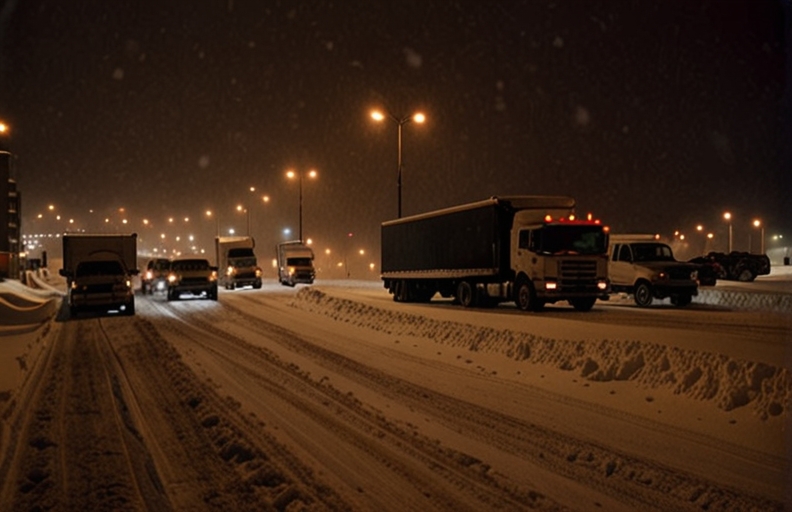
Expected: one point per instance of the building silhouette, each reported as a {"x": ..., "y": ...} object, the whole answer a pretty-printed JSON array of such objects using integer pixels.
[{"x": 10, "y": 220}]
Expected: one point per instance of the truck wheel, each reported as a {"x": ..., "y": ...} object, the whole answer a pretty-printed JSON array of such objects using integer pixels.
[
  {"x": 466, "y": 294},
  {"x": 583, "y": 303},
  {"x": 681, "y": 301},
  {"x": 643, "y": 295},
  {"x": 130, "y": 309},
  {"x": 171, "y": 295},
  {"x": 213, "y": 293},
  {"x": 525, "y": 296}
]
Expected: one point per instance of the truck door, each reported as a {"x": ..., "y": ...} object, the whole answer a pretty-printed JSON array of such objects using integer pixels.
[
  {"x": 620, "y": 267},
  {"x": 522, "y": 257}
]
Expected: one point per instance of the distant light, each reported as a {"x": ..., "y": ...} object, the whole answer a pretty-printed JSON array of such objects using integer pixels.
[
  {"x": 419, "y": 118},
  {"x": 287, "y": 231},
  {"x": 377, "y": 115},
  {"x": 727, "y": 216}
]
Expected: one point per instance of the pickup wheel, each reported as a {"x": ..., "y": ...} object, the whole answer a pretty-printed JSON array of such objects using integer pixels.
[
  {"x": 466, "y": 294},
  {"x": 643, "y": 295},
  {"x": 583, "y": 303}
]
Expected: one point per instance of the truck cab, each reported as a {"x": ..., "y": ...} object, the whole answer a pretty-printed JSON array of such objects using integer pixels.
[
  {"x": 561, "y": 258},
  {"x": 295, "y": 263}
]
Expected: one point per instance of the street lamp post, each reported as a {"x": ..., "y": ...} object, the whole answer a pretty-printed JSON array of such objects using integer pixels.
[
  {"x": 292, "y": 175},
  {"x": 400, "y": 121},
  {"x": 758, "y": 224},
  {"x": 727, "y": 216}
]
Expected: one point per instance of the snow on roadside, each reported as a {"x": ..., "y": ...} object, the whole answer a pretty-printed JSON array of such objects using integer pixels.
[{"x": 726, "y": 382}]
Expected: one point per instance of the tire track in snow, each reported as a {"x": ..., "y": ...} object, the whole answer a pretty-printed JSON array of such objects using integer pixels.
[{"x": 635, "y": 481}]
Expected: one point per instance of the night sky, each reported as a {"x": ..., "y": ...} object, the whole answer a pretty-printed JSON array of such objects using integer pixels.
[{"x": 654, "y": 114}]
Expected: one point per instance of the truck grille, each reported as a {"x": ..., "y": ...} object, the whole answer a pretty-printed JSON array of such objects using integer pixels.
[
  {"x": 577, "y": 274},
  {"x": 194, "y": 280}
]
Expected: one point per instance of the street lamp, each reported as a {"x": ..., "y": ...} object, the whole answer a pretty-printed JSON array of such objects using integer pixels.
[
  {"x": 758, "y": 224},
  {"x": 727, "y": 216},
  {"x": 400, "y": 121},
  {"x": 241, "y": 208},
  {"x": 292, "y": 175}
]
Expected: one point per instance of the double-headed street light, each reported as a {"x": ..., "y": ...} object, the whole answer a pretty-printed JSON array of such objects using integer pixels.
[
  {"x": 400, "y": 121},
  {"x": 312, "y": 174}
]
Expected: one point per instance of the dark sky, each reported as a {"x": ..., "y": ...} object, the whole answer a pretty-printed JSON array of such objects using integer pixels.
[{"x": 653, "y": 114}]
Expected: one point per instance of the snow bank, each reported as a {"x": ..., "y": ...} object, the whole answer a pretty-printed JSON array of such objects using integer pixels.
[
  {"x": 726, "y": 382},
  {"x": 23, "y": 305}
]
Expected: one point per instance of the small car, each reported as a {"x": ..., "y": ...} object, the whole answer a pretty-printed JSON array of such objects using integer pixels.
[
  {"x": 155, "y": 276},
  {"x": 192, "y": 275}
]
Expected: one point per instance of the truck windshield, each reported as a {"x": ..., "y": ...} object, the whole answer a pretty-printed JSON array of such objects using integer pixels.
[
  {"x": 570, "y": 239},
  {"x": 243, "y": 262},
  {"x": 298, "y": 262}
]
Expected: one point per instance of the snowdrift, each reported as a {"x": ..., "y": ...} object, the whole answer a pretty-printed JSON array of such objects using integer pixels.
[{"x": 726, "y": 382}]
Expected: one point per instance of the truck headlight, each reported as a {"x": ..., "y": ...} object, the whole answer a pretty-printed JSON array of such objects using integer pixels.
[
  {"x": 171, "y": 278},
  {"x": 291, "y": 271},
  {"x": 602, "y": 285},
  {"x": 258, "y": 272},
  {"x": 551, "y": 285},
  {"x": 230, "y": 271}
]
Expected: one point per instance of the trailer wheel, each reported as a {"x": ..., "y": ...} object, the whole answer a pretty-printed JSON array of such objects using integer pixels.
[{"x": 466, "y": 294}]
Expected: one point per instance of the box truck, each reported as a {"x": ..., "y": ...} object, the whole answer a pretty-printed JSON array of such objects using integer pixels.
[
  {"x": 236, "y": 262},
  {"x": 527, "y": 249},
  {"x": 98, "y": 269},
  {"x": 295, "y": 263}
]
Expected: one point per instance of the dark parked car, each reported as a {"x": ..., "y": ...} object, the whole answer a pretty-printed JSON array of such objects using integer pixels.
[
  {"x": 709, "y": 270},
  {"x": 735, "y": 266}
]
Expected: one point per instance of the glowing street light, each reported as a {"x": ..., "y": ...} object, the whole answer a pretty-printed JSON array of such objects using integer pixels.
[
  {"x": 400, "y": 121},
  {"x": 727, "y": 217},
  {"x": 312, "y": 174},
  {"x": 758, "y": 224}
]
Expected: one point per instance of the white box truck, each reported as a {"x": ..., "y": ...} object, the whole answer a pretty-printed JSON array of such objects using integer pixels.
[
  {"x": 98, "y": 269},
  {"x": 295, "y": 263},
  {"x": 236, "y": 262},
  {"x": 527, "y": 249}
]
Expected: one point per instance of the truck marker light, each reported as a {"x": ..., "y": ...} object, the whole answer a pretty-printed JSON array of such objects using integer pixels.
[
  {"x": 571, "y": 217},
  {"x": 602, "y": 285},
  {"x": 548, "y": 218}
]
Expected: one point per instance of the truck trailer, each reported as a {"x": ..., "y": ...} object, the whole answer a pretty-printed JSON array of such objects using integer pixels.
[
  {"x": 295, "y": 263},
  {"x": 98, "y": 269},
  {"x": 527, "y": 249},
  {"x": 236, "y": 262}
]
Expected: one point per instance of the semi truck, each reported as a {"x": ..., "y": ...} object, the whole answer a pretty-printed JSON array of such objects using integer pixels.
[
  {"x": 295, "y": 263},
  {"x": 98, "y": 269},
  {"x": 527, "y": 249},
  {"x": 236, "y": 262}
]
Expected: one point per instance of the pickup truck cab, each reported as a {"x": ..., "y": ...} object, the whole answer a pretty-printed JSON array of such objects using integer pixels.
[
  {"x": 648, "y": 270},
  {"x": 101, "y": 284},
  {"x": 194, "y": 276}
]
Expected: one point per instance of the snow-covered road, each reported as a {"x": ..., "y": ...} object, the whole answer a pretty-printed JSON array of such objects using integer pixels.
[{"x": 334, "y": 397}]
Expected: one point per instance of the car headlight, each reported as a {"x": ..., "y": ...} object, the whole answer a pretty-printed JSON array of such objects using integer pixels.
[
  {"x": 230, "y": 271},
  {"x": 171, "y": 278},
  {"x": 258, "y": 272}
]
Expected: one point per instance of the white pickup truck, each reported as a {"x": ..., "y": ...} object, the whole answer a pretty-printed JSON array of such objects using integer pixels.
[{"x": 646, "y": 268}]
